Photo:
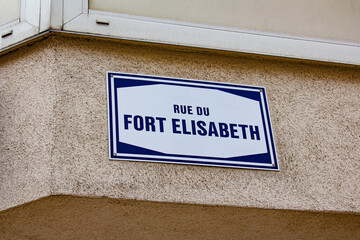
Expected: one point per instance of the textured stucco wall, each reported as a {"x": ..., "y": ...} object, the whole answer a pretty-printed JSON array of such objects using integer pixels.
[
  {"x": 27, "y": 97},
  {"x": 315, "y": 110}
]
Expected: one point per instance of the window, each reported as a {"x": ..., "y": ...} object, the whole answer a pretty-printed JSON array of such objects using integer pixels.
[
  {"x": 324, "y": 30},
  {"x": 158, "y": 21},
  {"x": 22, "y": 19}
]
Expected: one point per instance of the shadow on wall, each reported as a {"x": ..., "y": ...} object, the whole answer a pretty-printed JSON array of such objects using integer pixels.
[{"x": 68, "y": 217}]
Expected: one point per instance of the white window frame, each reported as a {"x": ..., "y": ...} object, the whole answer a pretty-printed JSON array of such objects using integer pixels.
[
  {"x": 34, "y": 18},
  {"x": 78, "y": 18},
  {"x": 74, "y": 16}
]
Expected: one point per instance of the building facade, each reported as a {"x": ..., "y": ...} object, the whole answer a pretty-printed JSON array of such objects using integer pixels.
[{"x": 56, "y": 179}]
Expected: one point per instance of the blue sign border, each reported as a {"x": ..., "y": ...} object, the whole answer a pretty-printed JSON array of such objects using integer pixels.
[{"x": 268, "y": 160}]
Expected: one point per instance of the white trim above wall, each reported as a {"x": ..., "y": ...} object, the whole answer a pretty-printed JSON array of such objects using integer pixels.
[
  {"x": 34, "y": 18},
  {"x": 213, "y": 37},
  {"x": 75, "y": 16}
]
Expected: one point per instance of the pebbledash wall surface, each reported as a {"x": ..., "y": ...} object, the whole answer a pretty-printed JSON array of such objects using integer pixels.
[
  {"x": 56, "y": 178},
  {"x": 54, "y": 132}
]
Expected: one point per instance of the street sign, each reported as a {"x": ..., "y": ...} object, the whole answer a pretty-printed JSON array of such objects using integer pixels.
[{"x": 183, "y": 121}]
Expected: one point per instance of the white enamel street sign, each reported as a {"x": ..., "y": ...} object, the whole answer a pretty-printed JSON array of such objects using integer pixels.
[{"x": 170, "y": 120}]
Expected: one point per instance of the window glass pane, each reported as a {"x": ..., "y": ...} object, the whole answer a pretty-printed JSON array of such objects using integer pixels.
[
  {"x": 9, "y": 11},
  {"x": 332, "y": 19}
]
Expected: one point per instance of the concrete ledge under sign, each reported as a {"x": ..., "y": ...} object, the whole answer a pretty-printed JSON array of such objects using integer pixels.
[{"x": 69, "y": 217}]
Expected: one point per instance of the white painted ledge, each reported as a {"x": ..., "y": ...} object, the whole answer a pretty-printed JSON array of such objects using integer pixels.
[
  {"x": 34, "y": 18},
  {"x": 144, "y": 29},
  {"x": 19, "y": 32},
  {"x": 74, "y": 16}
]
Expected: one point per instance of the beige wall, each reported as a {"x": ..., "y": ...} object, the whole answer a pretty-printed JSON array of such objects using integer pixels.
[
  {"x": 27, "y": 98},
  {"x": 329, "y": 19},
  {"x": 314, "y": 107}
]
